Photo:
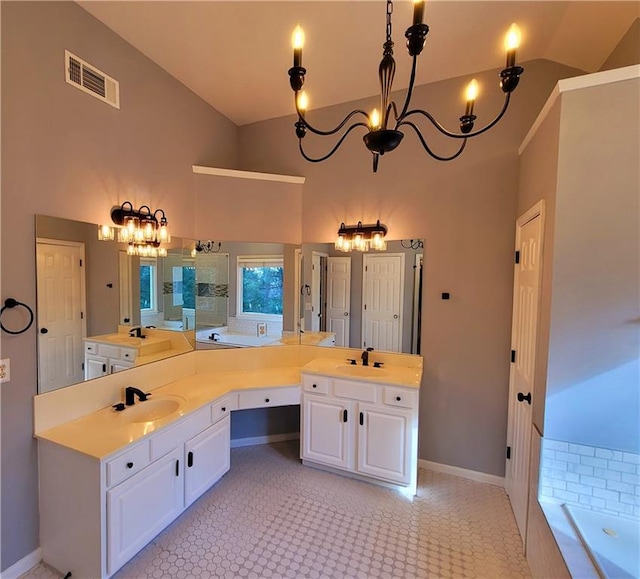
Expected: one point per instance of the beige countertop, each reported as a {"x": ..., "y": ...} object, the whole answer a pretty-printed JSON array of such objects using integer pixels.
[
  {"x": 409, "y": 377},
  {"x": 107, "y": 431}
]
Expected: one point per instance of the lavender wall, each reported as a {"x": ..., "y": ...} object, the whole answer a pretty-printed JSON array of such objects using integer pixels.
[{"x": 67, "y": 154}]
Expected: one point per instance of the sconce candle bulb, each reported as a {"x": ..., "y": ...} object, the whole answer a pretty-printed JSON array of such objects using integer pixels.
[{"x": 141, "y": 229}]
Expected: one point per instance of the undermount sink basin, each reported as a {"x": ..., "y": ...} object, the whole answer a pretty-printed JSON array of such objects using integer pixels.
[
  {"x": 362, "y": 371},
  {"x": 151, "y": 410}
]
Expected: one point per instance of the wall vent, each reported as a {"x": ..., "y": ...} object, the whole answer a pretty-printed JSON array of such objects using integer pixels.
[{"x": 91, "y": 80}]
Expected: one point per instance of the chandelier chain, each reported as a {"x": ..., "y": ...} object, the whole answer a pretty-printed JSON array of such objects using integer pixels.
[{"x": 389, "y": 13}]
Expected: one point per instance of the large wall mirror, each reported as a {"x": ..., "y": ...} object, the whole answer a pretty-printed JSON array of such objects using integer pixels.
[
  {"x": 91, "y": 296},
  {"x": 364, "y": 299}
]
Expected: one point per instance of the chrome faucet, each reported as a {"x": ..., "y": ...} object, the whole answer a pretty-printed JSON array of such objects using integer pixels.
[
  {"x": 130, "y": 393},
  {"x": 215, "y": 337},
  {"x": 365, "y": 356}
]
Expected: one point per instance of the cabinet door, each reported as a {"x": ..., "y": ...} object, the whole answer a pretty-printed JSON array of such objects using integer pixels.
[
  {"x": 326, "y": 431},
  {"x": 385, "y": 443},
  {"x": 140, "y": 507},
  {"x": 207, "y": 459},
  {"x": 118, "y": 366},
  {"x": 95, "y": 366}
]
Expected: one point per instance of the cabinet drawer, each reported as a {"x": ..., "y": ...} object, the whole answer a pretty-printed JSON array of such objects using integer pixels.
[
  {"x": 91, "y": 348},
  {"x": 171, "y": 438},
  {"x": 223, "y": 407},
  {"x": 128, "y": 354},
  {"x": 128, "y": 463},
  {"x": 363, "y": 391},
  {"x": 401, "y": 397},
  {"x": 108, "y": 350},
  {"x": 268, "y": 397},
  {"x": 316, "y": 384}
]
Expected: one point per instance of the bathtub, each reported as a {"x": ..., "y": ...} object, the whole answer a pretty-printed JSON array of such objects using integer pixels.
[
  {"x": 228, "y": 339},
  {"x": 613, "y": 543}
]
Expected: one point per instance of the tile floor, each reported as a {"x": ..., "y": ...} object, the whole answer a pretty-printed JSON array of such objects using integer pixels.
[{"x": 272, "y": 517}]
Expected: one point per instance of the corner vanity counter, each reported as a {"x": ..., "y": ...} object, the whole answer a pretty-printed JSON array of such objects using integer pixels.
[{"x": 111, "y": 480}]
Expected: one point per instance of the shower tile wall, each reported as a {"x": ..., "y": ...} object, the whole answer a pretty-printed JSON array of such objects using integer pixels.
[
  {"x": 212, "y": 289},
  {"x": 593, "y": 478},
  {"x": 172, "y": 287}
]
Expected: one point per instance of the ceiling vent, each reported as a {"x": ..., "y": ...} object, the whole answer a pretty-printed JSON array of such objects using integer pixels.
[{"x": 91, "y": 80}]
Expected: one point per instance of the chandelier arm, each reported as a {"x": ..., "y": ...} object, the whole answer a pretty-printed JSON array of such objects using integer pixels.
[
  {"x": 428, "y": 149},
  {"x": 335, "y": 148},
  {"x": 444, "y": 131},
  {"x": 412, "y": 80},
  {"x": 333, "y": 131}
]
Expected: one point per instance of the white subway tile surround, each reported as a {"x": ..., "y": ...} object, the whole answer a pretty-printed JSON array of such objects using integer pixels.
[{"x": 593, "y": 478}]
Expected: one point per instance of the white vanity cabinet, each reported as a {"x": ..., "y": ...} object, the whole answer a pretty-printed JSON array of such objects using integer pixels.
[
  {"x": 97, "y": 514},
  {"x": 366, "y": 428},
  {"x": 102, "y": 359}
]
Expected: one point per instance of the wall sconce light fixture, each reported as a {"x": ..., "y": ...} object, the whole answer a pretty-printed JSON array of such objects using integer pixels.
[
  {"x": 142, "y": 230},
  {"x": 412, "y": 243},
  {"x": 361, "y": 237},
  {"x": 207, "y": 247}
]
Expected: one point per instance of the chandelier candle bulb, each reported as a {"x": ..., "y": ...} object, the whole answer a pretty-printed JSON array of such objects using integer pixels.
[
  {"x": 511, "y": 43},
  {"x": 303, "y": 103},
  {"x": 375, "y": 120},
  {"x": 298, "y": 42},
  {"x": 471, "y": 96},
  {"x": 418, "y": 11}
]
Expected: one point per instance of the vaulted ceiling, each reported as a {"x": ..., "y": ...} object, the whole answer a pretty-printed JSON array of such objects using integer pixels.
[{"x": 235, "y": 54}]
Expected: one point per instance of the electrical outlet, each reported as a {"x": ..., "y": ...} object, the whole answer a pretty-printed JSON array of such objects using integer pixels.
[{"x": 5, "y": 370}]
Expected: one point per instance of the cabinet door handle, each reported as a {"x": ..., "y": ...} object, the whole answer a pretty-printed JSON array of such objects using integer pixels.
[
  {"x": 314, "y": 386},
  {"x": 104, "y": 368},
  {"x": 190, "y": 459},
  {"x": 129, "y": 465},
  {"x": 224, "y": 409},
  {"x": 398, "y": 398},
  {"x": 266, "y": 400},
  {"x": 361, "y": 419},
  {"x": 178, "y": 467},
  {"x": 344, "y": 415}
]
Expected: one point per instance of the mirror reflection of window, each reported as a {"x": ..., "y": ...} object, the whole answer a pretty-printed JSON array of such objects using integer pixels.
[
  {"x": 189, "y": 287},
  {"x": 148, "y": 281},
  {"x": 260, "y": 285}
]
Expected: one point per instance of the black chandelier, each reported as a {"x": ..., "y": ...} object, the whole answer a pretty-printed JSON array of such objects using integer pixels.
[{"x": 381, "y": 138}]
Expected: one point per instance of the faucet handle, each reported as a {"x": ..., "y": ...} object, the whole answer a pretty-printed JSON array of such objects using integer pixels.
[
  {"x": 378, "y": 364},
  {"x": 351, "y": 361},
  {"x": 118, "y": 407},
  {"x": 369, "y": 349}
]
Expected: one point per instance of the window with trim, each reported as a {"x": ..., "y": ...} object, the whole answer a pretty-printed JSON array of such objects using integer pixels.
[
  {"x": 148, "y": 285},
  {"x": 260, "y": 286}
]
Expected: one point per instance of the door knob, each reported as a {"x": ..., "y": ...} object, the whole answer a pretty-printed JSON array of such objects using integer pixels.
[
  {"x": 522, "y": 397},
  {"x": 395, "y": 316},
  {"x": 44, "y": 331},
  {"x": 346, "y": 313}
]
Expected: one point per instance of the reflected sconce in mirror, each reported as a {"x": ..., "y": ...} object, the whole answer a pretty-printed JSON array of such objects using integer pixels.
[
  {"x": 206, "y": 247},
  {"x": 361, "y": 237},
  {"x": 412, "y": 243},
  {"x": 142, "y": 230}
]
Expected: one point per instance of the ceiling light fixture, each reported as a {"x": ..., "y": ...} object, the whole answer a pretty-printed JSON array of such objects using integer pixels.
[
  {"x": 142, "y": 230},
  {"x": 361, "y": 237},
  {"x": 384, "y": 133}
]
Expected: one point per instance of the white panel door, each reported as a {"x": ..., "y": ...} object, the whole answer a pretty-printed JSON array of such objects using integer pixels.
[
  {"x": 326, "y": 431},
  {"x": 316, "y": 291},
  {"x": 526, "y": 293},
  {"x": 208, "y": 458},
  {"x": 339, "y": 298},
  {"x": 142, "y": 506},
  {"x": 383, "y": 288},
  {"x": 61, "y": 307},
  {"x": 385, "y": 443}
]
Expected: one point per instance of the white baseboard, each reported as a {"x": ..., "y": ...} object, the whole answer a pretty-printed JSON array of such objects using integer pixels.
[
  {"x": 22, "y": 566},
  {"x": 474, "y": 475},
  {"x": 267, "y": 439}
]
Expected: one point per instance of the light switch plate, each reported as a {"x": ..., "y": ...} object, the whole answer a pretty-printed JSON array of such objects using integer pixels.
[{"x": 5, "y": 370}]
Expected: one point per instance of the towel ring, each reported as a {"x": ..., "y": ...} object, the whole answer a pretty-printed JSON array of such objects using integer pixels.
[{"x": 12, "y": 303}]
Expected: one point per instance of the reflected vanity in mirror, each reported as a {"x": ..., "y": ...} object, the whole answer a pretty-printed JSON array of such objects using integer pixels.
[
  {"x": 246, "y": 294},
  {"x": 367, "y": 299},
  {"x": 102, "y": 311}
]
